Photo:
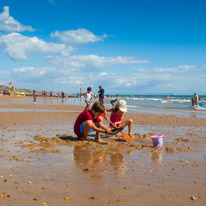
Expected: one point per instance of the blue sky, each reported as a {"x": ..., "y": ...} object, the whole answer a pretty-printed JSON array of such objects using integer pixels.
[{"x": 127, "y": 46}]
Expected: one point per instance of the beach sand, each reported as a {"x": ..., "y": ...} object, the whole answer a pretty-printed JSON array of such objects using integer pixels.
[{"x": 42, "y": 162}]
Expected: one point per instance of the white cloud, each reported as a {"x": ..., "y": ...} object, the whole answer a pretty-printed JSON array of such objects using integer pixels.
[
  {"x": 30, "y": 72},
  {"x": 141, "y": 70},
  {"x": 92, "y": 62},
  {"x": 23, "y": 69},
  {"x": 2, "y": 72},
  {"x": 79, "y": 36},
  {"x": 52, "y": 78},
  {"x": 19, "y": 47},
  {"x": 166, "y": 69},
  {"x": 186, "y": 67},
  {"x": 67, "y": 51},
  {"x": 8, "y": 23},
  {"x": 33, "y": 72},
  {"x": 180, "y": 68},
  {"x": 103, "y": 74}
]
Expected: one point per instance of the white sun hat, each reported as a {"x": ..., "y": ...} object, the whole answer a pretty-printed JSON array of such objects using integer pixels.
[{"x": 122, "y": 105}]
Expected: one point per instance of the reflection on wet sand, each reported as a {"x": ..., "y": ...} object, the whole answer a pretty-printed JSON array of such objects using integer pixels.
[
  {"x": 157, "y": 158},
  {"x": 87, "y": 159},
  {"x": 84, "y": 156}
]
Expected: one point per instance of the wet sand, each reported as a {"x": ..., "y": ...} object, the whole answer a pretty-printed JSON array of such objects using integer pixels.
[{"x": 42, "y": 162}]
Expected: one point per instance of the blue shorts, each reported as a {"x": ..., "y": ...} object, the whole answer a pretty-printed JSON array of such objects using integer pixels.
[{"x": 82, "y": 129}]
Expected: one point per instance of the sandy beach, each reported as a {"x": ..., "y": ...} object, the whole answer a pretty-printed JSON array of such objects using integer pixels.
[{"x": 42, "y": 162}]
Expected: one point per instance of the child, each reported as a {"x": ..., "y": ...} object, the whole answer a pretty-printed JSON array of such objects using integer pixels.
[
  {"x": 34, "y": 97},
  {"x": 113, "y": 103},
  {"x": 62, "y": 95},
  {"x": 89, "y": 121},
  {"x": 117, "y": 116},
  {"x": 88, "y": 97}
]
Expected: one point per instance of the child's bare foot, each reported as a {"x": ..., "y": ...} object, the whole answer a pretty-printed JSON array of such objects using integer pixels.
[
  {"x": 112, "y": 137},
  {"x": 99, "y": 140},
  {"x": 83, "y": 139}
]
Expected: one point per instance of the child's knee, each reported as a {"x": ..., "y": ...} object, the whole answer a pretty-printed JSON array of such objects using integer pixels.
[
  {"x": 129, "y": 121},
  {"x": 88, "y": 123}
]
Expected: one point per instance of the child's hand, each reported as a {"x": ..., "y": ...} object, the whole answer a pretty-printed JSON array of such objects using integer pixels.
[
  {"x": 108, "y": 131},
  {"x": 115, "y": 124}
]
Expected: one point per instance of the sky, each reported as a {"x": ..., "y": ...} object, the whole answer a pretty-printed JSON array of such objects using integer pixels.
[{"x": 126, "y": 46}]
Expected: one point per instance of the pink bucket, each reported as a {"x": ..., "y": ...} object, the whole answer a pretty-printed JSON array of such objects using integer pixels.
[{"x": 157, "y": 140}]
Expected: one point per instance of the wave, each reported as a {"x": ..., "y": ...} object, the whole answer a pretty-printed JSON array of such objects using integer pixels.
[
  {"x": 200, "y": 108},
  {"x": 170, "y": 101}
]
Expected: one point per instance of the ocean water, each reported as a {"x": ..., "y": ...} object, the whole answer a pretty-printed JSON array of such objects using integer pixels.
[
  {"x": 177, "y": 104},
  {"x": 178, "y": 101}
]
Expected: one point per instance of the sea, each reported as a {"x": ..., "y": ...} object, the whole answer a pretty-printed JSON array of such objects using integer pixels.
[
  {"x": 177, "y": 101},
  {"x": 157, "y": 104}
]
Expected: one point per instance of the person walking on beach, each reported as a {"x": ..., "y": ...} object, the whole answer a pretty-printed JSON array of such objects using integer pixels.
[
  {"x": 117, "y": 116},
  {"x": 34, "y": 97},
  {"x": 88, "y": 97},
  {"x": 196, "y": 99},
  {"x": 167, "y": 97},
  {"x": 101, "y": 94},
  {"x": 113, "y": 103},
  {"x": 62, "y": 95},
  {"x": 193, "y": 101},
  {"x": 89, "y": 121}
]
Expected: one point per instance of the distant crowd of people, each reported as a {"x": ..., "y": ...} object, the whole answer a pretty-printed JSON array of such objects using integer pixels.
[
  {"x": 51, "y": 94},
  {"x": 88, "y": 97}
]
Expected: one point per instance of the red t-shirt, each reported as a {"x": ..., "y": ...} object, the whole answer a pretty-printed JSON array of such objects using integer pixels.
[
  {"x": 115, "y": 118},
  {"x": 84, "y": 116}
]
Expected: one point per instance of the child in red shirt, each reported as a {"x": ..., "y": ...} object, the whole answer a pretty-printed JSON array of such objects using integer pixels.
[
  {"x": 89, "y": 121},
  {"x": 117, "y": 116}
]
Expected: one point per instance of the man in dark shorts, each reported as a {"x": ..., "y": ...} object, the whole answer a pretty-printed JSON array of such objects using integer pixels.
[{"x": 101, "y": 94}]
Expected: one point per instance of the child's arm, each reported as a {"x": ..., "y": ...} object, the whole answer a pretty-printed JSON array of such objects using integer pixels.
[
  {"x": 109, "y": 110},
  {"x": 104, "y": 115},
  {"x": 103, "y": 128},
  {"x": 94, "y": 96}
]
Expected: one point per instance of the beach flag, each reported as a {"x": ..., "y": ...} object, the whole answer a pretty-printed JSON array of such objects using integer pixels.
[{"x": 12, "y": 86}]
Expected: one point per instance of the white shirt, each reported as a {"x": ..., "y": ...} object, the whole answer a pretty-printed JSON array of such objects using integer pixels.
[{"x": 88, "y": 97}]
